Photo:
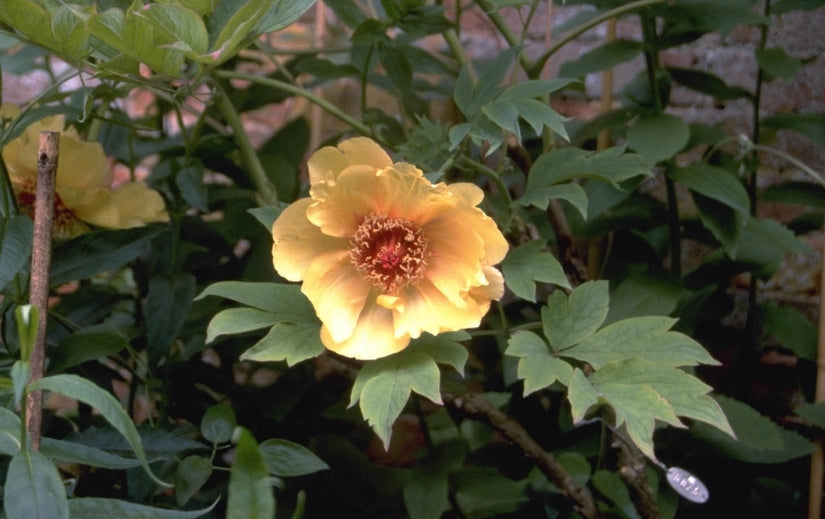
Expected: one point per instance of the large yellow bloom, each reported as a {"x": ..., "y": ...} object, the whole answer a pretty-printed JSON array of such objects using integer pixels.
[
  {"x": 82, "y": 186},
  {"x": 386, "y": 255}
]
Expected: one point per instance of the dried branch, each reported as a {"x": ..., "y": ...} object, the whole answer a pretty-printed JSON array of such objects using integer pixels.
[
  {"x": 477, "y": 407},
  {"x": 47, "y": 155}
]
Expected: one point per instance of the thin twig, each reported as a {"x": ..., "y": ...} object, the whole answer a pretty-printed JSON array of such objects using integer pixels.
[
  {"x": 47, "y": 154},
  {"x": 479, "y": 408},
  {"x": 633, "y": 471}
]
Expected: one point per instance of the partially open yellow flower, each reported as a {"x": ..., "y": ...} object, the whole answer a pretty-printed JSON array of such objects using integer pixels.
[
  {"x": 83, "y": 192},
  {"x": 386, "y": 255}
]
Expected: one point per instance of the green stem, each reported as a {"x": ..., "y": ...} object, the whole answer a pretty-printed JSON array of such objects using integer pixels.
[
  {"x": 793, "y": 160},
  {"x": 492, "y": 12},
  {"x": 487, "y": 172},
  {"x": 266, "y": 190},
  {"x": 536, "y": 67},
  {"x": 298, "y": 91}
]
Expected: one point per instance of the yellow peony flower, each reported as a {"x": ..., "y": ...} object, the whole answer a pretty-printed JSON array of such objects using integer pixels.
[
  {"x": 83, "y": 192},
  {"x": 384, "y": 254}
]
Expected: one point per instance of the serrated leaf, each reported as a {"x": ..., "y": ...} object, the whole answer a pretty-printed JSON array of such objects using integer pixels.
[
  {"x": 284, "y": 458},
  {"x": 581, "y": 395},
  {"x": 250, "y": 493},
  {"x": 648, "y": 338},
  {"x": 486, "y": 492},
  {"x": 658, "y": 137},
  {"x": 525, "y": 266},
  {"x": 645, "y": 294},
  {"x": 568, "y": 320},
  {"x": 286, "y": 302},
  {"x": 723, "y": 221},
  {"x": 534, "y": 88},
  {"x": 107, "y": 405},
  {"x": 612, "y": 165},
  {"x": 33, "y": 489},
  {"x": 758, "y": 439},
  {"x": 536, "y": 367},
  {"x": 641, "y": 392},
  {"x": 714, "y": 183},
  {"x": 426, "y": 495},
  {"x": 444, "y": 348},
  {"x": 238, "y": 320},
  {"x": 791, "y": 328},
  {"x": 217, "y": 423},
  {"x": 384, "y": 385},
  {"x": 100, "y": 507},
  {"x": 765, "y": 242},
  {"x": 290, "y": 342},
  {"x": 542, "y": 196},
  {"x": 190, "y": 475}
]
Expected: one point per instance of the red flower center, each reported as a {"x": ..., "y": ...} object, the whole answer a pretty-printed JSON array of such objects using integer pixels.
[
  {"x": 64, "y": 217},
  {"x": 389, "y": 252}
]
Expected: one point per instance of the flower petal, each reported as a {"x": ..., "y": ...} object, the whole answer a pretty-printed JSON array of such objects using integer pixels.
[
  {"x": 337, "y": 292},
  {"x": 372, "y": 338},
  {"x": 340, "y": 206},
  {"x": 455, "y": 261},
  {"x": 427, "y": 309},
  {"x": 328, "y": 162},
  {"x": 296, "y": 241}
]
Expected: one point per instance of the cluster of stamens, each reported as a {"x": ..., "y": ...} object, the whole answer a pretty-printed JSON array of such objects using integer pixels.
[{"x": 389, "y": 252}]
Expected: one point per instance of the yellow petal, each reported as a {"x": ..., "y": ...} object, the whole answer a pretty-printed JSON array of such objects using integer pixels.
[
  {"x": 82, "y": 164},
  {"x": 296, "y": 241},
  {"x": 139, "y": 204},
  {"x": 329, "y": 162},
  {"x": 455, "y": 260},
  {"x": 372, "y": 338},
  {"x": 495, "y": 245},
  {"x": 337, "y": 292},
  {"x": 341, "y": 206},
  {"x": 426, "y": 309}
]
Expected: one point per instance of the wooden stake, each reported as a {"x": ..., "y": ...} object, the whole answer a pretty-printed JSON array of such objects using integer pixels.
[
  {"x": 818, "y": 458},
  {"x": 47, "y": 154}
]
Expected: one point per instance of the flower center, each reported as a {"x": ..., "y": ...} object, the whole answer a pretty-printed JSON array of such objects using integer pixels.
[
  {"x": 389, "y": 252},
  {"x": 64, "y": 218}
]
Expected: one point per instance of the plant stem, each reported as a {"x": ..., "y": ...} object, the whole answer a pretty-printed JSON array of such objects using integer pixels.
[
  {"x": 298, "y": 91},
  {"x": 266, "y": 190},
  {"x": 47, "y": 158},
  {"x": 533, "y": 69}
]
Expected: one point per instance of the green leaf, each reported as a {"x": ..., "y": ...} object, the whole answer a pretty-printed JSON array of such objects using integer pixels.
[
  {"x": 397, "y": 66},
  {"x": 290, "y": 342},
  {"x": 765, "y": 242},
  {"x": 707, "y": 83},
  {"x": 812, "y": 412},
  {"x": 641, "y": 392},
  {"x": 533, "y": 88},
  {"x": 99, "y": 507},
  {"x": 645, "y": 294},
  {"x": 647, "y": 338},
  {"x": 612, "y": 165},
  {"x": 99, "y": 251},
  {"x": 758, "y": 439},
  {"x": 604, "y": 57},
  {"x": 284, "y": 458},
  {"x": 217, "y": 423},
  {"x": 9, "y": 432},
  {"x": 784, "y": 6},
  {"x": 611, "y": 485},
  {"x": 250, "y": 493},
  {"x": 542, "y": 196},
  {"x": 33, "y": 489},
  {"x": 282, "y": 14},
  {"x": 15, "y": 246},
  {"x": 444, "y": 348},
  {"x": 233, "y": 22},
  {"x": 715, "y": 183},
  {"x": 426, "y": 495},
  {"x": 568, "y": 320},
  {"x": 286, "y": 302},
  {"x": 811, "y": 126},
  {"x": 525, "y": 266},
  {"x": 723, "y": 221},
  {"x": 179, "y": 23},
  {"x": 238, "y": 320},
  {"x": 791, "y": 328},
  {"x": 536, "y": 367},
  {"x": 20, "y": 372},
  {"x": 486, "y": 492},
  {"x": 107, "y": 405},
  {"x": 804, "y": 194},
  {"x": 157, "y": 443},
  {"x": 658, "y": 137},
  {"x": 776, "y": 62},
  {"x": 167, "y": 305},
  {"x": 83, "y": 346},
  {"x": 189, "y": 180},
  {"x": 27, "y": 318},
  {"x": 80, "y": 454},
  {"x": 384, "y": 385},
  {"x": 190, "y": 475}
]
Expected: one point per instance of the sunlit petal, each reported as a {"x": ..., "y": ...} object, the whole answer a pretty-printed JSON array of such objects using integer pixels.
[
  {"x": 329, "y": 162},
  {"x": 296, "y": 242},
  {"x": 373, "y": 337}
]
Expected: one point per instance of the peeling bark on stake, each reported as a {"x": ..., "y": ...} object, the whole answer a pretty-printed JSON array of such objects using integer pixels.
[{"x": 47, "y": 155}]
